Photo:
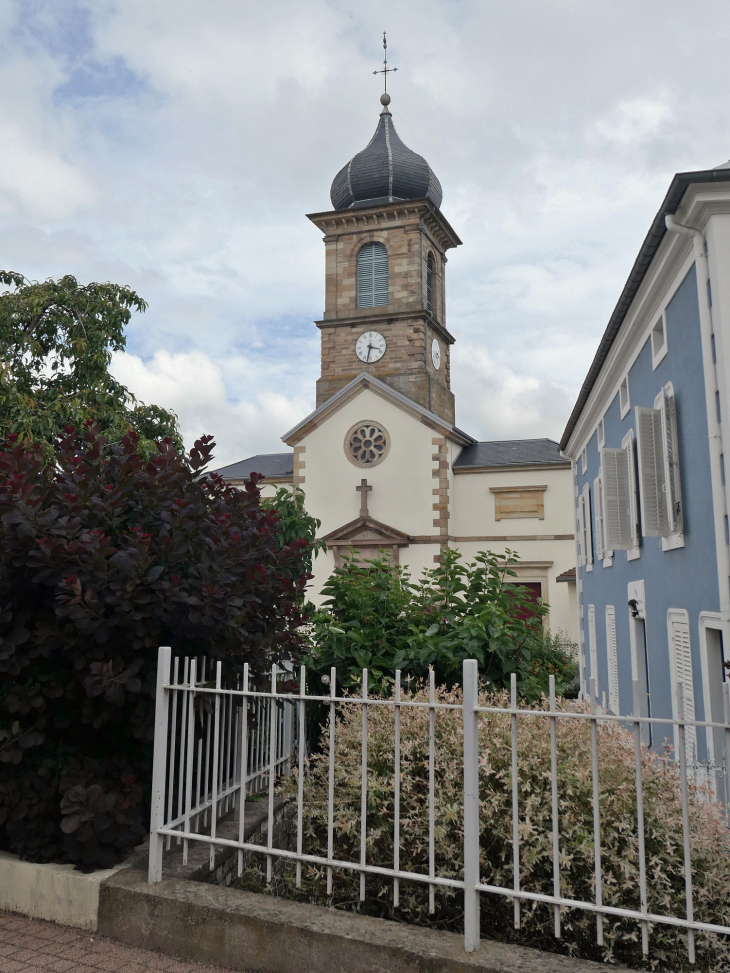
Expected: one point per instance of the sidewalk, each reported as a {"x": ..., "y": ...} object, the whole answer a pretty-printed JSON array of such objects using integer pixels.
[{"x": 34, "y": 946}]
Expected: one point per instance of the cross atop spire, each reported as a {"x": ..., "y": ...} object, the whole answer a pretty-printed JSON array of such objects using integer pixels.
[{"x": 385, "y": 69}]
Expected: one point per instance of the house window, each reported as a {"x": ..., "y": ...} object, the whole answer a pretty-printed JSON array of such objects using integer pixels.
[
  {"x": 612, "y": 654},
  {"x": 584, "y": 460},
  {"x": 593, "y": 651},
  {"x": 585, "y": 538},
  {"x": 680, "y": 656},
  {"x": 659, "y": 477},
  {"x": 372, "y": 275},
  {"x": 601, "y": 551},
  {"x": 519, "y": 502},
  {"x": 623, "y": 397},
  {"x": 429, "y": 284},
  {"x": 629, "y": 445},
  {"x": 658, "y": 341},
  {"x": 601, "y": 435}
]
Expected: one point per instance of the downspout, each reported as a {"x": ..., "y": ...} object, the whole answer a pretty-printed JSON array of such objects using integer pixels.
[{"x": 713, "y": 426}]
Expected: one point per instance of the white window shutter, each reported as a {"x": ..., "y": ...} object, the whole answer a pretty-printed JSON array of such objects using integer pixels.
[
  {"x": 650, "y": 450},
  {"x": 587, "y": 532},
  {"x": 598, "y": 514},
  {"x": 633, "y": 504},
  {"x": 671, "y": 460},
  {"x": 612, "y": 652},
  {"x": 682, "y": 651},
  {"x": 592, "y": 645},
  {"x": 617, "y": 527}
]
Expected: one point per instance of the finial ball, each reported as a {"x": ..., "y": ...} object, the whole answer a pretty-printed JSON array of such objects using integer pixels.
[{"x": 385, "y": 99}]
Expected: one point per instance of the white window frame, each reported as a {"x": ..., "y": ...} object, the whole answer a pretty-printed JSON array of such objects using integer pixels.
[
  {"x": 681, "y": 615},
  {"x": 660, "y": 327},
  {"x": 614, "y": 703},
  {"x": 587, "y": 540},
  {"x": 584, "y": 460},
  {"x": 624, "y": 396},
  {"x": 713, "y": 620},
  {"x": 603, "y": 554},
  {"x": 601, "y": 434},
  {"x": 675, "y": 538},
  {"x": 629, "y": 444}
]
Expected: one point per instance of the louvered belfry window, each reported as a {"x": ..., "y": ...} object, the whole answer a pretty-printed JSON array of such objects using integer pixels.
[
  {"x": 372, "y": 275},
  {"x": 429, "y": 284}
]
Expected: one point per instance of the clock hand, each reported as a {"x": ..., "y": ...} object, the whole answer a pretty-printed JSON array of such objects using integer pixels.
[{"x": 370, "y": 347}]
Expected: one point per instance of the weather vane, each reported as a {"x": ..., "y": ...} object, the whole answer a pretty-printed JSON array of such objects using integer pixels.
[{"x": 385, "y": 70}]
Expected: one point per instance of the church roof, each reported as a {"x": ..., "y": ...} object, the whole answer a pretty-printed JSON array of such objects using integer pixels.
[
  {"x": 386, "y": 171},
  {"x": 270, "y": 464},
  {"x": 511, "y": 452}
]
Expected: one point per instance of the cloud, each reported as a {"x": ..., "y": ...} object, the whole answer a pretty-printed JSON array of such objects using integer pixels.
[{"x": 176, "y": 147}]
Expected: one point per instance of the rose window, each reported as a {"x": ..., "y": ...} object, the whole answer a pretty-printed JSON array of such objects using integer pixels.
[{"x": 367, "y": 444}]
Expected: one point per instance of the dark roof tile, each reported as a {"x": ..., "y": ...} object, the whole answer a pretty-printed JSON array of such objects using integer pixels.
[
  {"x": 270, "y": 464},
  {"x": 511, "y": 452}
]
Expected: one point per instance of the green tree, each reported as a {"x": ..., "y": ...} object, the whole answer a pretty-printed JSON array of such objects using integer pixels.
[
  {"x": 295, "y": 523},
  {"x": 56, "y": 342}
]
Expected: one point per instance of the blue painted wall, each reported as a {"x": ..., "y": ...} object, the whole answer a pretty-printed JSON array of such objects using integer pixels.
[{"x": 684, "y": 578}]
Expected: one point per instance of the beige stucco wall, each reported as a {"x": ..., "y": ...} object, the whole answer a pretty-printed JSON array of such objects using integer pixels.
[{"x": 474, "y": 504}]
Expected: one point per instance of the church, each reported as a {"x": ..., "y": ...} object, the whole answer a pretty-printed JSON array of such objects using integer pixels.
[{"x": 381, "y": 461}]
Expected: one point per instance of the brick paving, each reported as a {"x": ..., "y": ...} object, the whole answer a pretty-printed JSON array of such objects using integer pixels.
[{"x": 35, "y": 946}]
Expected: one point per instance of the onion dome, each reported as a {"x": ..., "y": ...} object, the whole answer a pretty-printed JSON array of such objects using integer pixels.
[{"x": 386, "y": 171}]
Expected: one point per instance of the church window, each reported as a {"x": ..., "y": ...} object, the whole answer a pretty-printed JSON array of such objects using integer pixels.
[
  {"x": 429, "y": 284},
  {"x": 367, "y": 444},
  {"x": 372, "y": 275}
]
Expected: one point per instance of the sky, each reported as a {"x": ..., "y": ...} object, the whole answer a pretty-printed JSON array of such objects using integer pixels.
[{"x": 176, "y": 146}]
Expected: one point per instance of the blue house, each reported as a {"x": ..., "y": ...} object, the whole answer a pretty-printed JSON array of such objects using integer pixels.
[{"x": 648, "y": 440}]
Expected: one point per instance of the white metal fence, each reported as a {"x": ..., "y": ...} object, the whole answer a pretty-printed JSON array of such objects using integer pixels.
[{"x": 246, "y": 735}]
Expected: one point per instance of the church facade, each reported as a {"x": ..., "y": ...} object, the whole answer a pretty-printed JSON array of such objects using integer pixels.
[{"x": 380, "y": 461}]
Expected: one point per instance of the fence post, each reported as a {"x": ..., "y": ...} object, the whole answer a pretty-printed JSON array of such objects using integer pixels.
[
  {"x": 159, "y": 765},
  {"x": 471, "y": 804}
]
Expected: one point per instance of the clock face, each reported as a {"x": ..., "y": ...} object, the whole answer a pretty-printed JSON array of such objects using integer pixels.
[
  {"x": 370, "y": 346},
  {"x": 436, "y": 354}
]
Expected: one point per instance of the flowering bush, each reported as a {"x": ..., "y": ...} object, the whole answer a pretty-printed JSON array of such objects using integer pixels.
[
  {"x": 662, "y": 814},
  {"x": 105, "y": 554}
]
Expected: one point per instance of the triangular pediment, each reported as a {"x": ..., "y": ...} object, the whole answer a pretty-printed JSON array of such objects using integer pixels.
[
  {"x": 367, "y": 381},
  {"x": 366, "y": 532}
]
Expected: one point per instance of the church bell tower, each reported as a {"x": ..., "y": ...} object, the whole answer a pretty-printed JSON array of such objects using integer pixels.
[{"x": 385, "y": 244}]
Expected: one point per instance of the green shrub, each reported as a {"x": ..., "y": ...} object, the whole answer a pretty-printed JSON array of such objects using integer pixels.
[
  {"x": 710, "y": 839},
  {"x": 377, "y": 617}
]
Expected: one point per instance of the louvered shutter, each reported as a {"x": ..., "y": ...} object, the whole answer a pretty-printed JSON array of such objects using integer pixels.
[
  {"x": 598, "y": 514},
  {"x": 650, "y": 450},
  {"x": 633, "y": 504},
  {"x": 617, "y": 528},
  {"x": 372, "y": 275},
  {"x": 592, "y": 646},
  {"x": 587, "y": 532},
  {"x": 671, "y": 460},
  {"x": 679, "y": 634},
  {"x": 612, "y": 653}
]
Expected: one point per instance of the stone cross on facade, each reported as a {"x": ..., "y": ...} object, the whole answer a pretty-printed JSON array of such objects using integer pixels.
[{"x": 363, "y": 490}]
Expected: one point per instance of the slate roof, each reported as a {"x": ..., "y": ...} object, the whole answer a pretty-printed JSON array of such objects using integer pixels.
[
  {"x": 649, "y": 247},
  {"x": 270, "y": 464},
  {"x": 511, "y": 452},
  {"x": 386, "y": 171}
]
